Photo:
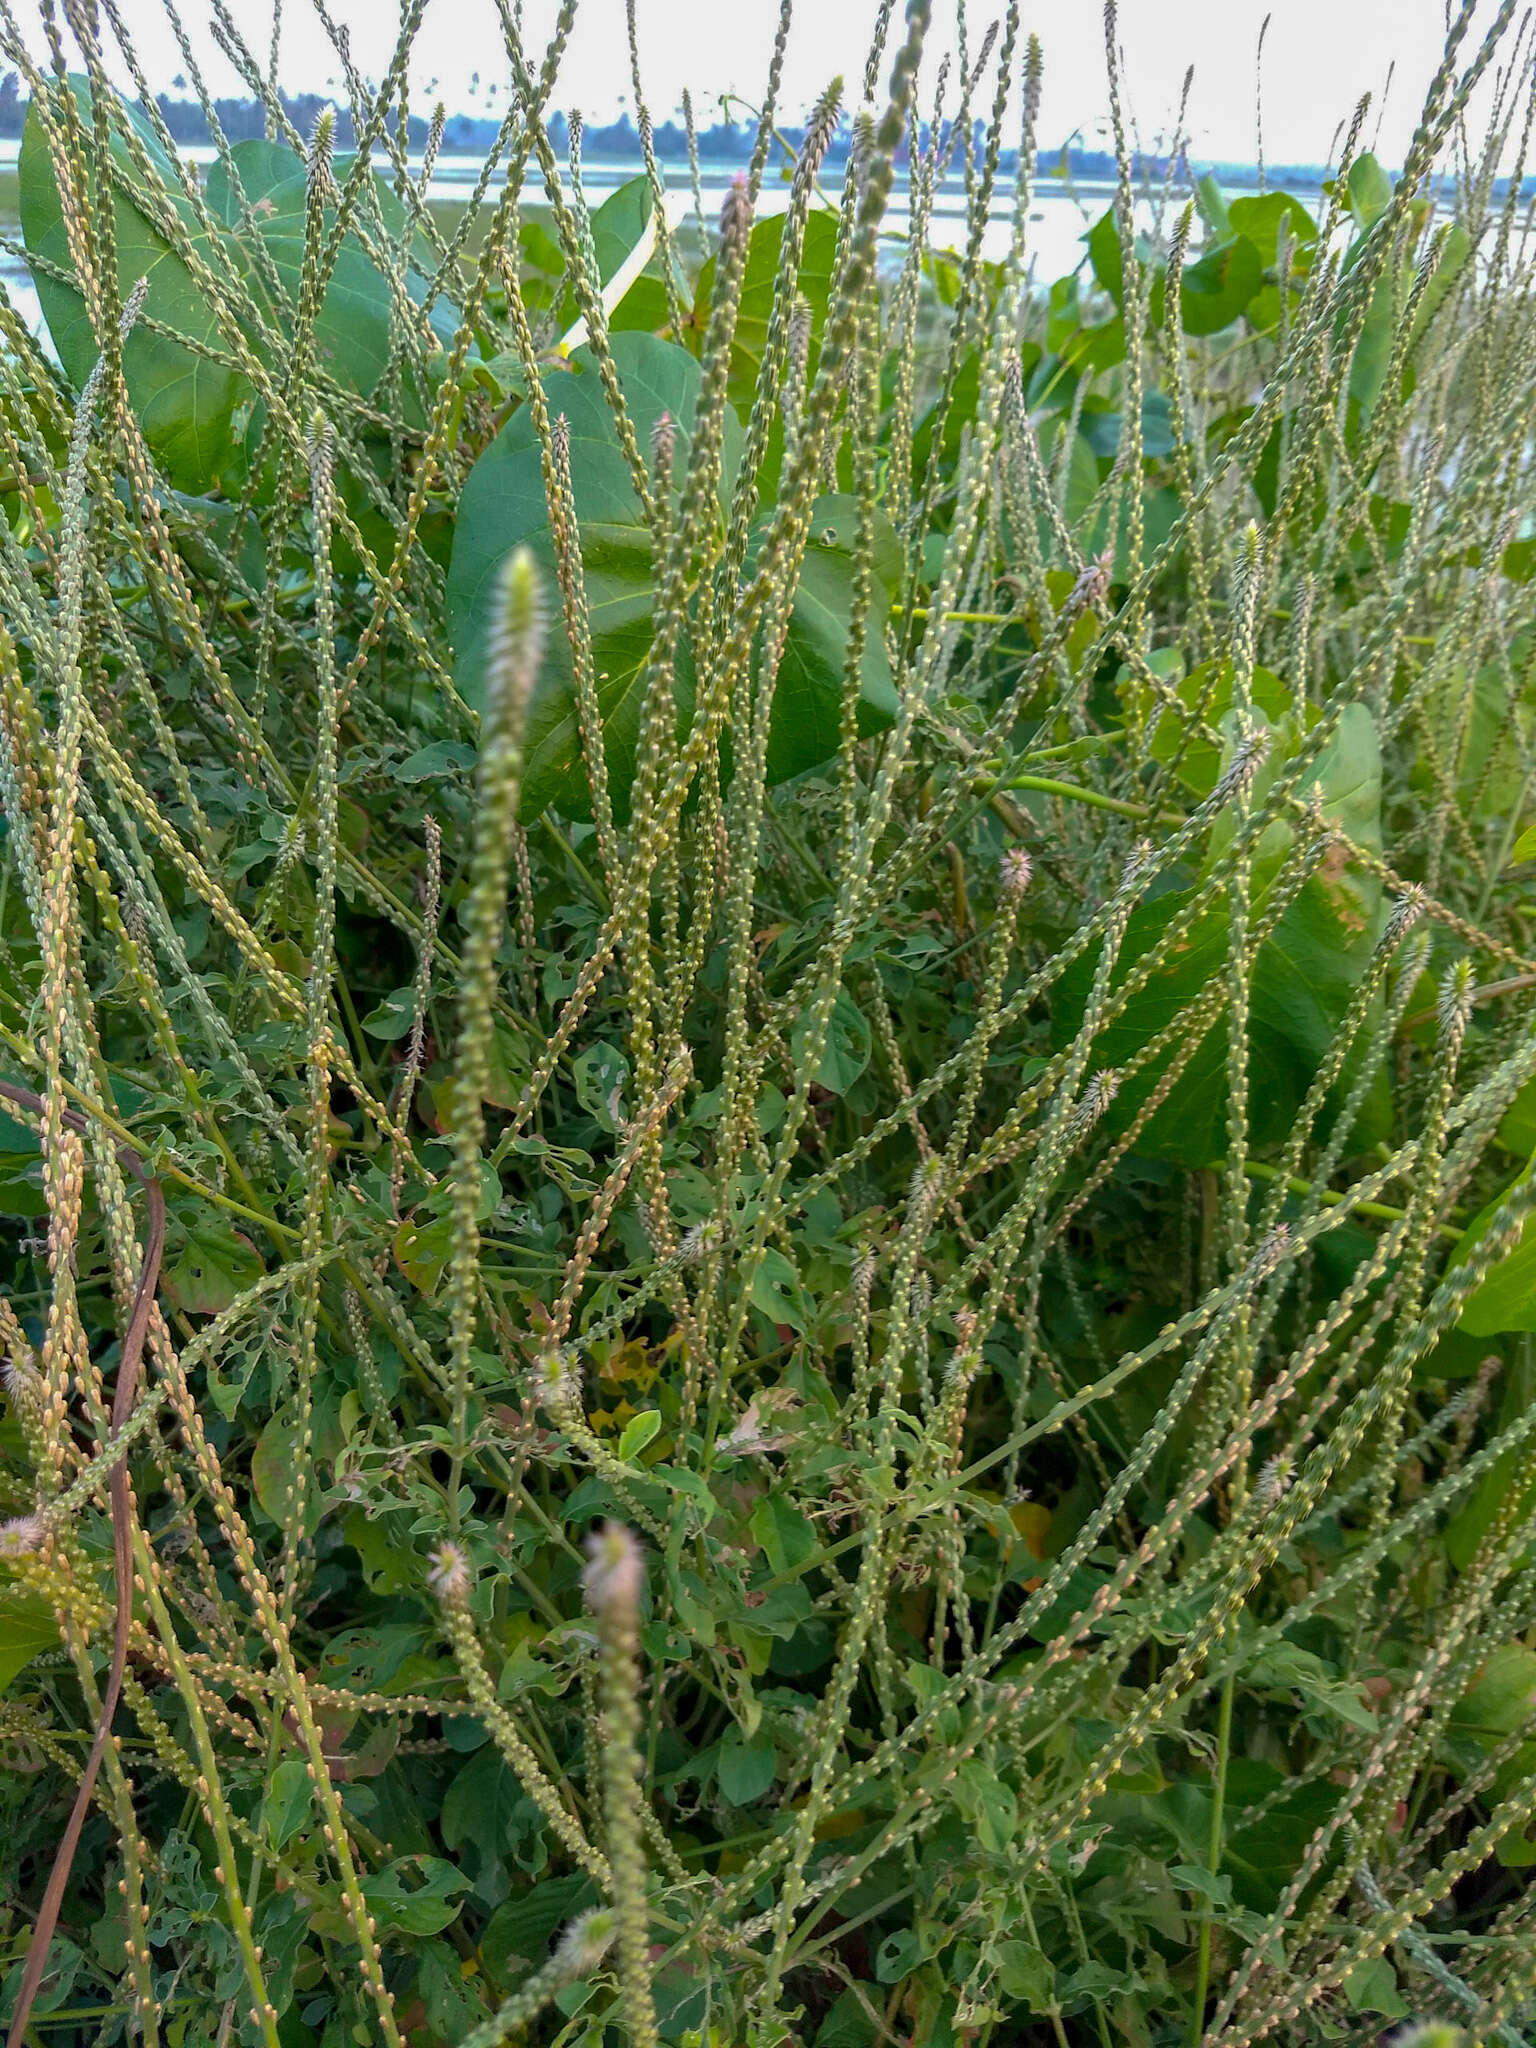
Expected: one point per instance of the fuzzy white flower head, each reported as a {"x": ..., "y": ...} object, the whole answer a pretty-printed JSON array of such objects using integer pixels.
[
  {"x": 1271, "y": 1253},
  {"x": 449, "y": 1576},
  {"x": 736, "y": 215},
  {"x": 1247, "y": 760},
  {"x": 1138, "y": 860},
  {"x": 1017, "y": 869},
  {"x": 1406, "y": 912},
  {"x": 21, "y": 1383},
  {"x": 1092, "y": 585},
  {"x": 615, "y": 1572},
  {"x": 555, "y": 1378},
  {"x": 1096, "y": 1098},
  {"x": 1453, "y": 1011},
  {"x": 584, "y": 1942},
  {"x": 1273, "y": 1481},
  {"x": 23, "y": 1533}
]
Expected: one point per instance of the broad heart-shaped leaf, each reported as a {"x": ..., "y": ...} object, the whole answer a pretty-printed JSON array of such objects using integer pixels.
[
  {"x": 1108, "y": 258},
  {"x": 1214, "y": 291},
  {"x": 813, "y": 281},
  {"x": 352, "y": 333},
  {"x": 503, "y": 507},
  {"x": 1259, "y": 219},
  {"x": 1506, "y": 1297},
  {"x": 617, "y": 227},
  {"x": 808, "y": 696},
  {"x": 27, "y": 1628},
  {"x": 1370, "y": 190},
  {"x": 184, "y": 403},
  {"x": 1303, "y": 978}
]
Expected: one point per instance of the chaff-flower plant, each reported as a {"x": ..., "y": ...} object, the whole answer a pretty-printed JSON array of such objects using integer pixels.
[{"x": 825, "y": 959}]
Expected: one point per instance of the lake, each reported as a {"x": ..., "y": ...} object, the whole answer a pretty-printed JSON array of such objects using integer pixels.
[{"x": 1057, "y": 218}]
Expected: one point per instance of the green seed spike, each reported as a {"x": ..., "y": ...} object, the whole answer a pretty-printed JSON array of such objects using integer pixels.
[
  {"x": 514, "y": 647},
  {"x": 614, "y": 1579}
]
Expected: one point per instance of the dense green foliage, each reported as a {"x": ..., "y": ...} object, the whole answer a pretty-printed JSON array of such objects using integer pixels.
[{"x": 826, "y": 957}]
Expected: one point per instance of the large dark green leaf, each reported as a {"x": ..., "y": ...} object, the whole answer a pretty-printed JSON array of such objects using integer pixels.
[
  {"x": 503, "y": 506},
  {"x": 1506, "y": 1297},
  {"x": 1216, "y": 290},
  {"x": 27, "y": 1629},
  {"x": 808, "y": 699},
  {"x": 1108, "y": 258},
  {"x": 813, "y": 281},
  {"x": 352, "y": 332},
  {"x": 1303, "y": 978},
  {"x": 617, "y": 228},
  {"x": 1370, "y": 190},
  {"x": 1258, "y": 219},
  {"x": 185, "y": 403},
  {"x": 619, "y": 223},
  {"x": 194, "y": 413}
]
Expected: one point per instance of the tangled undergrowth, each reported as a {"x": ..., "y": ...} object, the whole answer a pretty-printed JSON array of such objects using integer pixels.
[{"x": 818, "y": 963}]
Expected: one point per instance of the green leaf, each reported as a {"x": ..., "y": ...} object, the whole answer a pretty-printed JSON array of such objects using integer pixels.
[
  {"x": 518, "y": 1934},
  {"x": 745, "y": 1769},
  {"x": 1212, "y": 203},
  {"x": 1303, "y": 979},
  {"x": 479, "y": 1804},
  {"x": 1373, "y": 349},
  {"x": 352, "y": 331},
  {"x": 27, "y": 1630},
  {"x": 1503, "y": 1698},
  {"x": 272, "y": 1469},
  {"x": 1287, "y": 1666},
  {"x": 617, "y": 227},
  {"x": 1258, "y": 218},
  {"x": 808, "y": 694},
  {"x": 1025, "y": 1974},
  {"x": 423, "y": 1909},
  {"x": 213, "y": 1267},
  {"x": 1105, "y": 255},
  {"x": 601, "y": 1074},
  {"x": 503, "y": 506},
  {"x": 776, "y": 1291},
  {"x": 1370, "y": 190},
  {"x": 442, "y": 757},
  {"x": 750, "y": 337},
  {"x": 1509, "y": 1485},
  {"x": 392, "y": 1018},
  {"x": 988, "y": 1803},
  {"x": 848, "y": 2024},
  {"x": 1210, "y": 684},
  {"x": 1505, "y": 1298},
  {"x": 787, "y": 1535},
  {"x": 899, "y": 1955},
  {"x": 184, "y": 403},
  {"x": 1194, "y": 1877},
  {"x": 845, "y": 1054},
  {"x": 1373, "y": 1988},
  {"x": 1216, "y": 290},
  {"x": 639, "y": 1431},
  {"x": 1455, "y": 254},
  {"x": 286, "y": 1801}
]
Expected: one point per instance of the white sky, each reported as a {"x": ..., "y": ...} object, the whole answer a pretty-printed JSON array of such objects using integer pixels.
[{"x": 1319, "y": 58}]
